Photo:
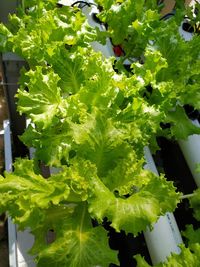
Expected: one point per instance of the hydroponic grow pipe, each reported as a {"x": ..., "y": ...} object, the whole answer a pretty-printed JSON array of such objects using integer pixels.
[
  {"x": 165, "y": 236},
  {"x": 12, "y": 238},
  {"x": 191, "y": 147},
  {"x": 191, "y": 151},
  {"x": 90, "y": 12}
]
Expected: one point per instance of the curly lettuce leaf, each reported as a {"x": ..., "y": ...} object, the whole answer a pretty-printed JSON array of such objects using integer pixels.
[
  {"x": 43, "y": 28},
  {"x": 34, "y": 7},
  {"x": 100, "y": 142},
  {"x": 192, "y": 236},
  {"x": 35, "y": 202},
  {"x": 25, "y": 194},
  {"x": 181, "y": 125},
  {"x": 42, "y": 100},
  {"x": 92, "y": 122},
  {"x": 69, "y": 67},
  {"x": 5, "y": 34},
  {"x": 76, "y": 242},
  {"x": 134, "y": 176},
  {"x": 154, "y": 196},
  {"x": 132, "y": 214},
  {"x": 157, "y": 53},
  {"x": 138, "y": 211},
  {"x": 125, "y": 13},
  {"x": 52, "y": 144},
  {"x": 183, "y": 71},
  {"x": 194, "y": 204}
]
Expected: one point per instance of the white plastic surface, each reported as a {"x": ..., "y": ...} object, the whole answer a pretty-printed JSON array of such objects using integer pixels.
[
  {"x": 187, "y": 36},
  {"x": 24, "y": 243},
  {"x": 12, "y": 238},
  {"x": 66, "y": 2},
  {"x": 89, "y": 12},
  {"x": 165, "y": 236},
  {"x": 191, "y": 151},
  {"x": 9, "y": 56}
]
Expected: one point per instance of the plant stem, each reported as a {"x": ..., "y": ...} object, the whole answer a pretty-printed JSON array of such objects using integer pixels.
[
  {"x": 23, "y": 5},
  {"x": 187, "y": 196}
]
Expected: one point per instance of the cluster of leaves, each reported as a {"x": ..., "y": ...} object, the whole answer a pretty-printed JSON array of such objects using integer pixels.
[
  {"x": 171, "y": 64},
  {"x": 92, "y": 123}
]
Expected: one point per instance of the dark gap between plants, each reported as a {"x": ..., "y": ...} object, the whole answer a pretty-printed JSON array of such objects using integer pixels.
[
  {"x": 128, "y": 246},
  {"x": 170, "y": 160}
]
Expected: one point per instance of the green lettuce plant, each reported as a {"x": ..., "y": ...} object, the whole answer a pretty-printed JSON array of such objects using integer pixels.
[{"x": 91, "y": 120}]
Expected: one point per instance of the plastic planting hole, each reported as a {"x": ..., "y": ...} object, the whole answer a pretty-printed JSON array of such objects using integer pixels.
[
  {"x": 50, "y": 236},
  {"x": 187, "y": 27}
]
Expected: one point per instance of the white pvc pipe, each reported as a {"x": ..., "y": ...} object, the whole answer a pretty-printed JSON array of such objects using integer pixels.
[
  {"x": 66, "y": 2},
  {"x": 7, "y": 146},
  {"x": 106, "y": 49},
  {"x": 31, "y": 149},
  {"x": 187, "y": 36},
  {"x": 191, "y": 147},
  {"x": 12, "y": 237},
  {"x": 165, "y": 236},
  {"x": 191, "y": 151}
]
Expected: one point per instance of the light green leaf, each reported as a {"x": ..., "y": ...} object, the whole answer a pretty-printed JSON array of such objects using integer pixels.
[
  {"x": 128, "y": 176},
  {"x": 194, "y": 203},
  {"x": 184, "y": 259},
  {"x": 100, "y": 142},
  {"x": 44, "y": 28},
  {"x": 41, "y": 102},
  {"x": 136, "y": 212},
  {"x": 76, "y": 244},
  {"x": 25, "y": 194},
  {"x": 99, "y": 89},
  {"x": 154, "y": 62},
  {"x": 69, "y": 68},
  {"x": 52, "y": 145},
  {"x": 193, "y": 236},
  {"x": 5, "y": 34},
  {"x": 182, "y": 126}
]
